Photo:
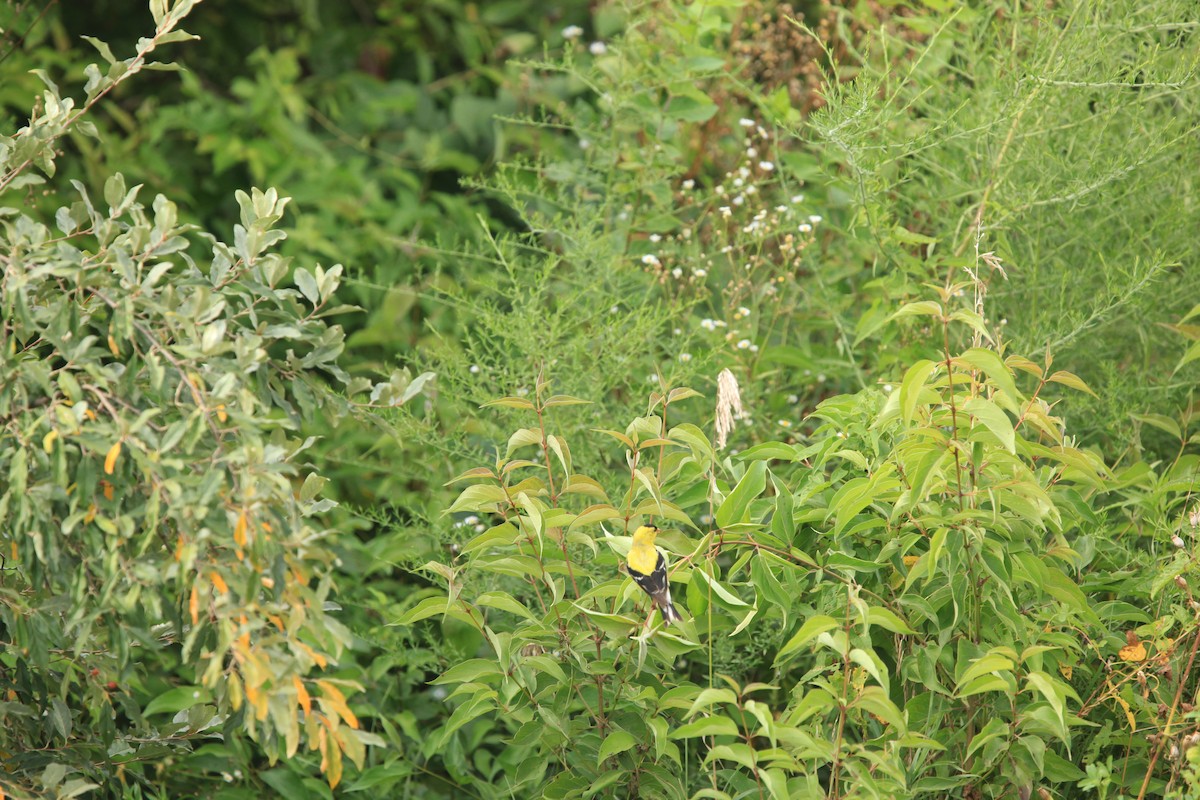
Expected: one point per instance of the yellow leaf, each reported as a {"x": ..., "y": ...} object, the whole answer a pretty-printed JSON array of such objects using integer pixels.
[
  {"x": 112, "y": 346},
  {"x": 48, "y": 440},
  {"x": 107, "y": 489},
  {"x": 110, "y": 461},
  {"x": 335, "y": 766},
  {"x": 332, "y": 695},
  {"x": 1133, "y": 652},
  {"x": 1128, "y": 713},
  {"x": 1067, "y": 670},
  {"x": 302, "y": 695},
  {"x": 235, "y": 691},
  {"x": 219, "y": 582},
  {"x": 909, "y": 561},
  {"x": 194, "y": 604},
  {"x": 221, "y": 415},
  {"x": 90, "y": 515}
]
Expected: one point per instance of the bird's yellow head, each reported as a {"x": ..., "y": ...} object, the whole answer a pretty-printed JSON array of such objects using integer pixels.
[{"x": 644, "y": 536}]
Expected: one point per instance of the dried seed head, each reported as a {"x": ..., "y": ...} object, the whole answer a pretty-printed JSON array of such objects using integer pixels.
[{"x": 729, "y": 406}]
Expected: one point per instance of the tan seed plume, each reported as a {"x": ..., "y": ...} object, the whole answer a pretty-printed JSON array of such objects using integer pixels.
[{"x": 729, "y": 406}]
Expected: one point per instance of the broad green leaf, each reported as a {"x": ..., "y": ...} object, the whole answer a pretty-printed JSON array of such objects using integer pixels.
[
  {"x": 729, "y": 597},
  {"x": 984, "y": 665},
  {"x": 887, "y": 619},
  {"x": 911, "y": 386},
  {"x": 994, "y": 419},
  {"x": 616, "y": 742},
  {"x": 988, "y": 362},
  {"x": 706, "y": 726},
  {"x": 470, "y": 670},
  {"x": 811, "y": 629},
  {"x": 175, "y": 700},
  {"x": 735, "y": 506}
]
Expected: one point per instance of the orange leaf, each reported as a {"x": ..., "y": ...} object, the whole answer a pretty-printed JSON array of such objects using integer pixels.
[
  {"x": 194, "y": 604},
  {"x": 317, "y": 658},
  {"x": 219, "y": 582},
  {"x": 108, "y": 489},
  {"x": 221, "y": 415},
  {"x": 302, "y": 695},
  {"x": 110, "y": 461},
  {"x": 239, "y": 530}
]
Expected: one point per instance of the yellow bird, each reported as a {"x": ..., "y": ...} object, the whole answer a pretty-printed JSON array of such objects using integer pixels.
[{"x": 648, "y": 569}]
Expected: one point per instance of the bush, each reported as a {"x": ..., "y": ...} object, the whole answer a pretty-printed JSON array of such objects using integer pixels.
[{"x": 167, "y": 573}]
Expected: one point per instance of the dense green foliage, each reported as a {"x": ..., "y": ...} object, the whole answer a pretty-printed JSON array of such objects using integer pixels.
[{"x": 932, "y": 531}]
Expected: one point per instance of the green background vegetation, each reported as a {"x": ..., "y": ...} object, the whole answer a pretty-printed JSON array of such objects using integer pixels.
[{"x": 342, "y": 348}]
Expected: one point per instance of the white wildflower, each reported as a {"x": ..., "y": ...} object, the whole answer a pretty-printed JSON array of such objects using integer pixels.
[
  {"x": 685, "y": 357},
  {"x": 766, "y": 166},
  {"x": 744, "y": 344},
  {"x": 598, "y": 48},
  {"x": 474, "y": 369},
  {"x": 746, "y": 123},
  {"x": 651, "y": 260},
  {"x": 572, "y": 32},
  {"x": 689, "y": 184},
  {"x": 797, "y": 198}
]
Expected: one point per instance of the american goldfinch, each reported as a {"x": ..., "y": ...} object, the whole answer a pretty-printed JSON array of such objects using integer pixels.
[{"x": 648, "y": 569}]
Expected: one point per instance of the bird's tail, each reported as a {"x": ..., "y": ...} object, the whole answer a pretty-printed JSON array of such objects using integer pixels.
[{"x": 663, "y": 601}]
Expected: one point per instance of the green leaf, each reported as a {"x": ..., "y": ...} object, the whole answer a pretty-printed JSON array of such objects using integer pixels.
[
  {"x": 480, "y": 497},
  {"x": 768, "y": 451},
  {"x": 729, "y": 597},
  {"x": 470, "y": 670},
  {"x": 307, "y": 285},
  {"x": 924, "y": 308},
  {"x": 510, "y": 402},
  {"x": 811, "y": 629},
  {"x": 994, "y": 419},
  {"x": 734, "y": 507},
  {"x": 175, "y": 700},
  {"x": 985, "y": 665},
  {"x": 706, "y": 726},
  {"x": 989, "y": 363},
  {"x": 1161, "y": 422},
  {"x": 710, "y": 697},
  {"x": 616, "y": 742},
  {"x": 911, "y": 386},
  {"x": 887, "y": 619},
  {"x": 564, "y": 400},
  {"x": 1072, "y": 380}
]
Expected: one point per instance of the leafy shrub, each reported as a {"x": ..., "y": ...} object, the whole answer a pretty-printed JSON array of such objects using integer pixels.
[
  {"x": 167, "y": 574},
  {"x": 898, "y": 592}
]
